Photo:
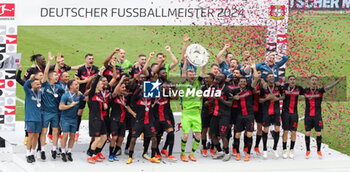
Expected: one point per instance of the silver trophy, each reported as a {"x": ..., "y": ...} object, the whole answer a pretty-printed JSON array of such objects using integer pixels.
[{"x": 197, "y": 55}]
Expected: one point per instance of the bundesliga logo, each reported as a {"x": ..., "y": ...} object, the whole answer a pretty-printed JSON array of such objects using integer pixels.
[{"x": 7, "y": 10}]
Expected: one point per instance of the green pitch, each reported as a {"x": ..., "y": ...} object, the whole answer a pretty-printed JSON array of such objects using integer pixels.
[{"x": 325, "y": 52}]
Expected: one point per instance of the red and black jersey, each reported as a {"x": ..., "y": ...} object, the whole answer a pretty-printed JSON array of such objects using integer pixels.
[
  {"x": 84, "y": 72},
  {"x": 161, "y": 108},
  {"x": 65, "y": 68},
  {"x": 313, "y": 100},
  {"x": 95, "y": 102},
  {"x": 290, "y": 103},
  {"x": 208, "y": 109},
  {"x": 271, "y": 108},
  {"x": 256, "y": 98},
  {"x": 233, "y": 85},
  {"x": 136, "y": 70},
  {"x": 108, "y": 73},
  {"x": 31, "y": 71},
  {"x": 106, "y": 94},
  {"x": 220, "y": 109},
  {"x": 141, "y": 107},
  {"x": 119, "y": 111},
  {"x": 245, "y": 102}
]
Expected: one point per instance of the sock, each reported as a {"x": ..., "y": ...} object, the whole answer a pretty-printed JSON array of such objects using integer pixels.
[
  {"x": 89, "y": 153},
  {"x": 42, "y": 149},
  {"x": 319, "y": 141},
  {"x": 54, "y": 148},
  {"x": 226, "y": 150},
  {"x": 245, "y": 141},
  {"x": 292, "y": 143},
  {"x": 183, "y": 146},
  {"x": 249, "y": 143},
  {"x": 204, "y": 143},
  {"x": 159, "y": 138},
  {"x": 195, "y": 145},
  {"x": 276, "y": 138},
  {"x": 103, "y": 145},
  {"x": 212, "y": 146},
  {"x": 284, "y": 145},
  {"x": 264, "y": 137},
  {"x": 32, "y": 152},
  {"x": 257, "y": 141},
  {"x": 90, "y": 145},
  {"x": 171, "y": 139},
  {"x": 237, "y": 140},
  {"x": 69, "y": 150},
  {"x": 98, "y": 150},
  {"x": 166, "y": 143},
  {"x": 128, "y": 140},
  {"x": 28, "y": 152},
  {"x": 131, "y": 152},
  {"x": 93, "y": 152},
  {"x": 154, "y": 150},
  {"x": 79, "y": 121},
  {"x": 111, "y": 148},
  {"x": 146, "y": 142},
  {"x": 307, "y": 142},
  {"x": 116, "y": 149},
  {"x": 218, "y": 147}
]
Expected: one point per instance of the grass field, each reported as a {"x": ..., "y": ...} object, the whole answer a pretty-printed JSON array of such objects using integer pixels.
[{"x": 318, "y": 44}]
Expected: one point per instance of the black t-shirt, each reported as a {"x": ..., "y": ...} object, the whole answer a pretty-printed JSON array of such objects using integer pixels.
[
  {"x": 118, "y": 105},
  {"x": 271, "y": 108},
  {"x": 31, "y": 71},
  {"x": 108, "y": 73},
  {"x": 208, "y": 109},
  {"x": 95, "y": 102},
  {"x": 65, "y": 68},
  {"x": 136, "y": 70},
  {"x": 220, "y": 109},
  {"x": 83, "y": 72},
  {"x": 290, "y": 103},
  {"x": 139, "y": 105},
  {"x": 233, "y": 85},
  {"x": 245, "y": 102},
  {"x": 313, "y": 100}
]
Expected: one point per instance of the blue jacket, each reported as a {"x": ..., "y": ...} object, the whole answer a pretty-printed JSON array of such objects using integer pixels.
[{"x": 274, "y": 69}]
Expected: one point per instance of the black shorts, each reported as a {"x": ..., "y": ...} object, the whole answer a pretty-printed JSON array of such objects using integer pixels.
[
  {"x": 245, "y": 123},
  {"x": 118, "y": 128},
  {"x": 162, "y": 126},
  {"x": 147, "y": 129},
  {"x": 234, "y": 112},
  {"x": 313, "y": 122},
  {"x": 214, "y": 126},
  {"x": 107, "y": 121},
  {"x": 271, "y": 120},
  {"x": 258, "y": 116},
  {"x": 129, "y": 121},
  {"x": 206, "y": 117},
  {"x": 289, "y": 121},
  {"x": 220, "y": 126},
  {"x": 97, "y": 128},
  {"x": 82, "y": 104}
]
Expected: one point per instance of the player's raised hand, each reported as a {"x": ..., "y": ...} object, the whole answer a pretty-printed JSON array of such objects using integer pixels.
[
  {"x": 186, "y": 37},
  {"x": 59, "y": 57},
  {"x": 151, "y": 55},
  {"x": 167, "y": 48},
  {"x": 102, "y": 69},
  {"x": 50, "y": 56},
  {"x": 19, "y": 67},
  {"x": 113, "y": 63},
  {"x": 341, "y": 78},
  {"x": 116, "y": 50},
  {"x": 227, "y": 46}
]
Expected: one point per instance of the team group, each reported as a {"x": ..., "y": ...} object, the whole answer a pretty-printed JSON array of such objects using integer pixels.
[{"x": 114, "y": 94}]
